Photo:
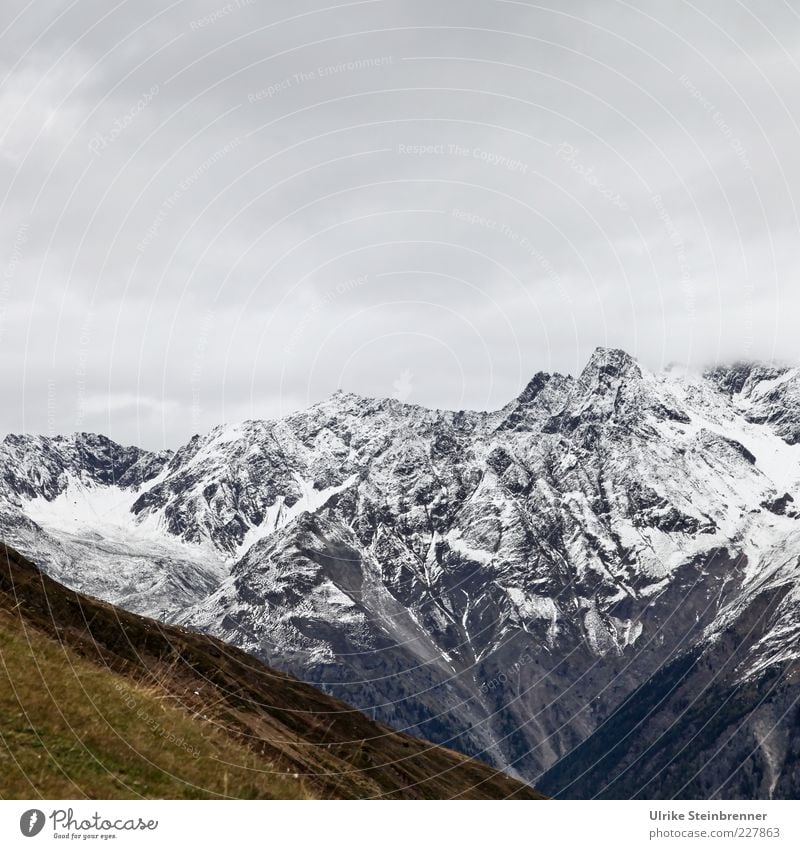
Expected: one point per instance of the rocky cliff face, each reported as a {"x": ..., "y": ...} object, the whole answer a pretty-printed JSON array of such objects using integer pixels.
[{"x": 499, "y": 582}]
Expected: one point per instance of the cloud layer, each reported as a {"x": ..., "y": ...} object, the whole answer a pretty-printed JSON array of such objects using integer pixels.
[{"x": 214, "y": 211}]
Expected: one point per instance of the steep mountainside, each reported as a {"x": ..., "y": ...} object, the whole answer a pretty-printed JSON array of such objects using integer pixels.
[
  {"x": 98, "y": 702},
  {"x": 497, "y": 582},
  {"x": 719, "y": 721}
]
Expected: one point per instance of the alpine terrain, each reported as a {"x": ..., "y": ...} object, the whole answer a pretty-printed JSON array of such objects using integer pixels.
[
  {"x": 595, "y": 589},
  {"x": 97, "y": 702}
]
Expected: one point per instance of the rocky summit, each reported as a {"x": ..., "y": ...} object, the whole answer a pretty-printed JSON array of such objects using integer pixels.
[{"x": 595, "y": 588}]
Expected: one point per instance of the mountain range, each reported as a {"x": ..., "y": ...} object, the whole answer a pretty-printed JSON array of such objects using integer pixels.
[{"x": 594, "y": 588}]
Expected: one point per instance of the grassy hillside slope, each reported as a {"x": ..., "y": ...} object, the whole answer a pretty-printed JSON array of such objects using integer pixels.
[{"x": 96, "y": 702}]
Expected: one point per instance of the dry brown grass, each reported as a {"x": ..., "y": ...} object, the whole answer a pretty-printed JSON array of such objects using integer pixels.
[{"x": 97, "y": 702}]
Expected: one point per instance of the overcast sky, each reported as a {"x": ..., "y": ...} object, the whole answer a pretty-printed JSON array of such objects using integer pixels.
[{"x": 218, "y": 211}]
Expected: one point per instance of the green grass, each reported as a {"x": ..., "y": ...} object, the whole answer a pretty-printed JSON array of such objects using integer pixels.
[
  {"x": 98, "y": 702},
  {"x": 69, "y": 729}
]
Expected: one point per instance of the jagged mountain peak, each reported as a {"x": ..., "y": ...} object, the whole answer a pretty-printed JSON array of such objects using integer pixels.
[
  {"x": 613, "y": 362},
  {"x": 77, "y": 439},
  {"x": 609, "y": 371},
  {"x": 37, "y": 465},
  {"x": 614, "y": 390},
  {"x": 534, "y": 386},
  {"x": 609, "y": 362},
  {"x": 764, "y": 393},
  {"x": 412, "y": 558},
  {"x": 543, "y": 396},
  {"x": 739, "y": 378}
]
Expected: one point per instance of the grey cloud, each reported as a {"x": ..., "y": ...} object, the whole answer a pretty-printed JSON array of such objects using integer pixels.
[{"x": 198, "y": 185}]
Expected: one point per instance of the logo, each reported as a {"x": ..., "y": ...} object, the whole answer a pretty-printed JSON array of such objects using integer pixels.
[
  {"x": 31, "y": 822},
  {"x": 403, "y": 386}
]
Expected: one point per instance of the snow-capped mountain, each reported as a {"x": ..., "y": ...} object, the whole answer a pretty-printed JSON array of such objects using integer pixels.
[
  {"x": 67, "y": 501},
  {"x": 499, "y": 582}
]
